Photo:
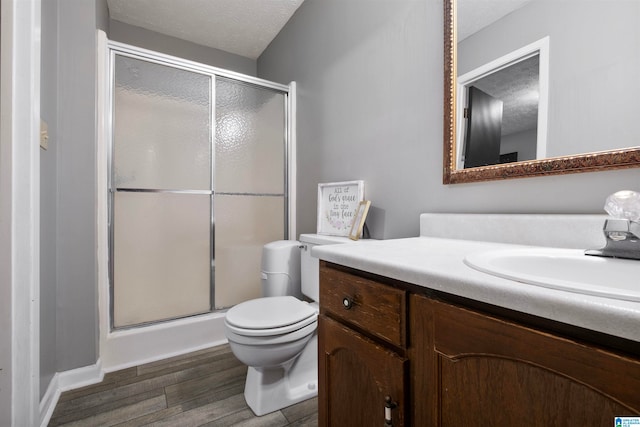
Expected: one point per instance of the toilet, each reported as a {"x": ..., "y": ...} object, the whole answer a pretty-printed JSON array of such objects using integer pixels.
[{"x": 275, "y": 336}]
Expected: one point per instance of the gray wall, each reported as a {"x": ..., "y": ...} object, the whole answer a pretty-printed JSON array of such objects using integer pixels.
[
  {"x": 592, "y": 60},
  {"x": 140, "y": 37},
  {"x": 6, "y": 323},
  {"x": 48, "y": 193},
  {"x": 370, "y": 107},
  {"x": 77, "y": 313},
  {"x": 68, "y": 276},
  {"x": 102, "y": 15},
  {"x": 524, "y": 143},
  {"x": 365, "y": 71}
]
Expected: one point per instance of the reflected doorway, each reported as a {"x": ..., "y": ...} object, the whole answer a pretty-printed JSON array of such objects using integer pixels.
[{"x": 519, "y": 82}]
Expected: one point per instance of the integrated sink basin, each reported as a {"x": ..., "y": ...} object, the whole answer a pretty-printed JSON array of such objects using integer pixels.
[{"x": 564, "y": 269}]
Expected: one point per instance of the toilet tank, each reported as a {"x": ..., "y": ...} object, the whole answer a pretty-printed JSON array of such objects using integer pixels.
[
  {"x": 310, "y": 266},
  {"x": 280, "y": 274}
]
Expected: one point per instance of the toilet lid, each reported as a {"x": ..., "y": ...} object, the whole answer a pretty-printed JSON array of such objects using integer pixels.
[{"x": 269, "y": 313}]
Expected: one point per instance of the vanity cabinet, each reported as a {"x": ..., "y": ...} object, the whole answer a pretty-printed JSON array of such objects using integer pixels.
[
  {"x": 460, "y": 365},
  {"x": 362, "y": 368},
  {"x": 482, "y": 370}
]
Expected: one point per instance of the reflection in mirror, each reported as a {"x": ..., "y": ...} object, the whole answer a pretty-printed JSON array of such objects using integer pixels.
[
  {"x": 483, "y": 117},
  {"x": 518, "y": 83},
  {"x": 586, "y": 91}
]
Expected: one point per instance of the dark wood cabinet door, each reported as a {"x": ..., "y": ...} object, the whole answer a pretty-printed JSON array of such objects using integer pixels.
[
  {"x": 355, "y": 376},
  {"x": 495, "y": 373}
]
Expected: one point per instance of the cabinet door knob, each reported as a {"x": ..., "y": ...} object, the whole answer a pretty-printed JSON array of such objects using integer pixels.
[
  {"x": 347, "y": 303},
  {"x": 388, "y": 406}
]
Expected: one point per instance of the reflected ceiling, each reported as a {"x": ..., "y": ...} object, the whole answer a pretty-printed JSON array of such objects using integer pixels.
[{"x": 476, "y": 14}]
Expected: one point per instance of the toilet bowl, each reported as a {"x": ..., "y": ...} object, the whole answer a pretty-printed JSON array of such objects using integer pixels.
[
  {"x": 288, "y": 324},
  {"x": 275, "y": 336},
  {"x": 278, "y": 374}
]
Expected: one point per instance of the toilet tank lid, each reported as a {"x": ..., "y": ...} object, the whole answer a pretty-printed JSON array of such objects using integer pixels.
[
  {"x": 278, "y": 244},
  {"x": 322, "y": 239}
]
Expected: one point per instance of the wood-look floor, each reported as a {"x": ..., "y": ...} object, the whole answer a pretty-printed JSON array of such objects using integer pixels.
[{"x": 204, "y": 388}]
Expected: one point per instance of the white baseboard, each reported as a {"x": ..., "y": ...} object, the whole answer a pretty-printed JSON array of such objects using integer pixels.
[
  {"x": 67, "y": 380},
  {"x": 76, "y": 378},
  {"x": 156, "y": 357},
  {"x": 131, "y": 347},
  {"x": 49, "y": 401},
  {"x": 135, "y": 347}
]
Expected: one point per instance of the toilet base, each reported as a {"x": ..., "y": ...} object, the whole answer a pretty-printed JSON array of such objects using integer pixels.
[{"x": 270, "y": 389}]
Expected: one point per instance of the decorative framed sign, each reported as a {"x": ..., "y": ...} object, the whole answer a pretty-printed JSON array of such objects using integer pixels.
[
  {"x": 337, "y": 205},
  {"x": 358, "y": 222}
]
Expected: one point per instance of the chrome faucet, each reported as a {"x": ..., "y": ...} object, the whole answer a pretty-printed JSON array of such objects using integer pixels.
[{"x": 622, "y": 239}]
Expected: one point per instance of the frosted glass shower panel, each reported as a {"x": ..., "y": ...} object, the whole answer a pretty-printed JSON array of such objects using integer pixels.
[
  {"x": 162, "y": 132},
  {"x": 250, "y": 138},
  {"x": 244, "y": 224},
  {"x": 162, "y": 262},
  {"x": 197, "y": 186}
]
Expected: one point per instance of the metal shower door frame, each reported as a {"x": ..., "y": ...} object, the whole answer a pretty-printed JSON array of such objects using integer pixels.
[{"x": 120, "y": 49}]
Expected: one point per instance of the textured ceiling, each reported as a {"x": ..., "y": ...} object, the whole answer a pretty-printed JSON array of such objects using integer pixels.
[
  {"x": 473, "y": 15},
  {"x": 517, "y": 87},
  {"x": 243, "y": 27}
]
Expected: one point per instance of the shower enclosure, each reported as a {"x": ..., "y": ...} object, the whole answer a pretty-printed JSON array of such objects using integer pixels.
[{"x": 198, "y": 183}]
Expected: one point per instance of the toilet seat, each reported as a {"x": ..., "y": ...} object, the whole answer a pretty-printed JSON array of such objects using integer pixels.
[
  {"x": 302, "y": 333},
  {"x": 270, "y": 316}
]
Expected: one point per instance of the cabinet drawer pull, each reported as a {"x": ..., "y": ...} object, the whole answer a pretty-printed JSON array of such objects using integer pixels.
[
  {"x": 388, "y": 406},
  {"x": 347, "y": 303}
]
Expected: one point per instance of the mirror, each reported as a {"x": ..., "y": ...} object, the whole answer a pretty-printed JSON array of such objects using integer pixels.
[{"x": 574, "y": 111}]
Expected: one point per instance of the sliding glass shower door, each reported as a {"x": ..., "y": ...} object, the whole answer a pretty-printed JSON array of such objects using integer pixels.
[
  {"x": 250, "y": 185},
  {"x": 197, "y": 186}
]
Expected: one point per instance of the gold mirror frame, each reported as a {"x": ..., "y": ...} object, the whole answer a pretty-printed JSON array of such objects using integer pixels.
[{"x": 589, "y": 162}]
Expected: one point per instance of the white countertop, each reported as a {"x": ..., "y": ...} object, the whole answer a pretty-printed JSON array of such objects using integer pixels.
[{"x": 437, "y": 264}]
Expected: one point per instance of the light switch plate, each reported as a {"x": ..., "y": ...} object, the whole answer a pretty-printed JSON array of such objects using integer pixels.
[{"x": 44, "y": 135}]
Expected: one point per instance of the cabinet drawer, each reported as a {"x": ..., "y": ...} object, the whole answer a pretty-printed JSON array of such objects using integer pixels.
[{"x": 371, "y": 306}]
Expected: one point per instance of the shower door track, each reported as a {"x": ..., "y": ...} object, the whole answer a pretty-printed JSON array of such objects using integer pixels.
[
  {"x": 204, "y": 192},
  {"x": 149, "y": 190},
  {"x": 185, "y": 64}
]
